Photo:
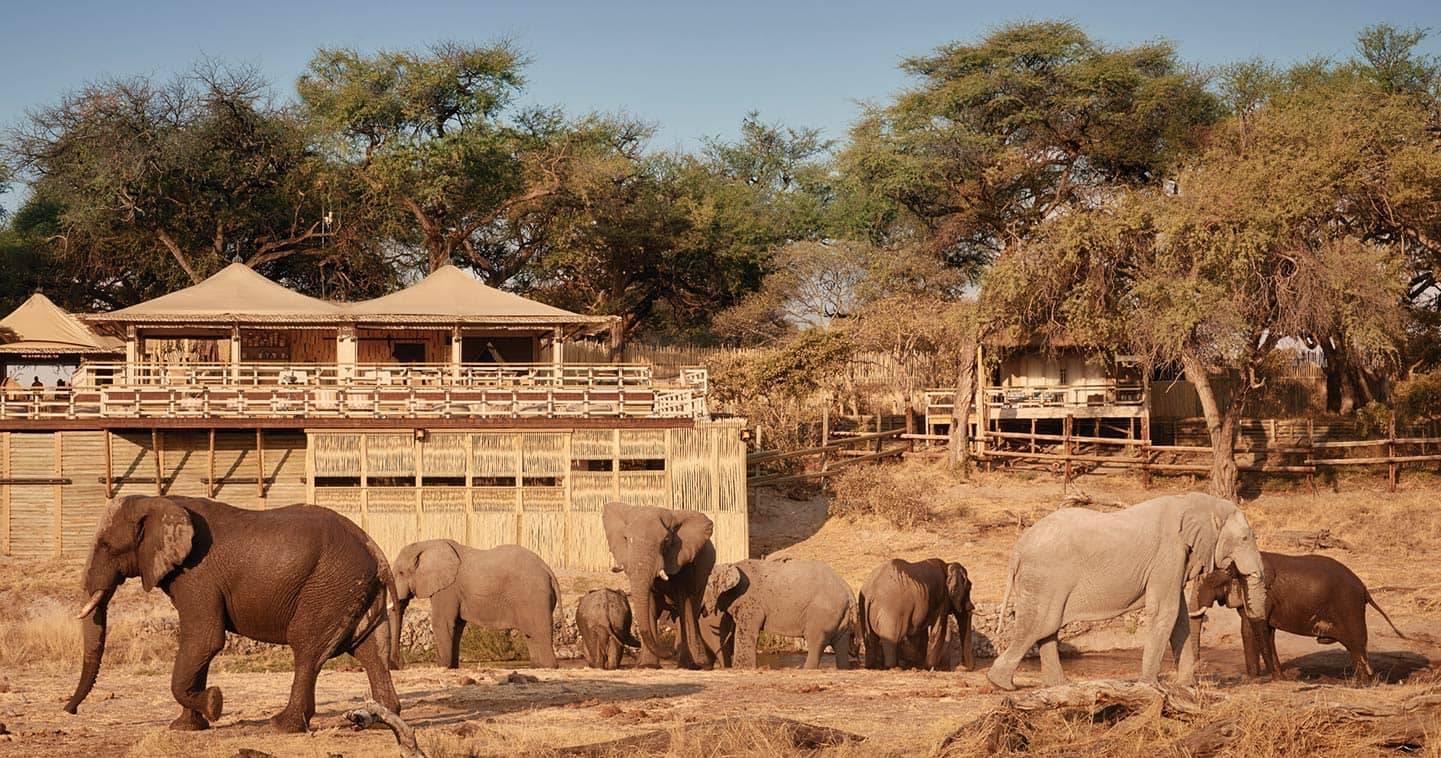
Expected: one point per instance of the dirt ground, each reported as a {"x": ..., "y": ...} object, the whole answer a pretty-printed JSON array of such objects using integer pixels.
[{"x": 1393, "y": 545}]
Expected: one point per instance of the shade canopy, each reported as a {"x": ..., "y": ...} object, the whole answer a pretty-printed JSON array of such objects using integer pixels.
[
  {"x": 40, "y": 328},
  {"x": 235, "y": 294},
  {"x": 452, "y": 296}
]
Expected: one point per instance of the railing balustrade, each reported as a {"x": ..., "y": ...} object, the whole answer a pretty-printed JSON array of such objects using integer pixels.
[{"x": 108, "y": 390}]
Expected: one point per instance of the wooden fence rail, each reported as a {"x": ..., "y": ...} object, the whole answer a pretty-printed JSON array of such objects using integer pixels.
[{"x": 855, "y": 444}]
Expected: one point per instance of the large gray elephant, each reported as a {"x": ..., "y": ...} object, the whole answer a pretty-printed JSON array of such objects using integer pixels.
[
  {"x": 906, "y": 607},
  {"x": 301, "y": 576},
  {"x": 1081, "y": 565},
  {"x": 507, "y": 587},
  {"x": 789, "y": 598},
  {"x": 603, "y": 618},
  {"x": 644, "y": 541}
]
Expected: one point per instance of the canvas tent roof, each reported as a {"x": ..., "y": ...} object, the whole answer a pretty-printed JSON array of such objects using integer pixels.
[
  {"x": 236, "y": 293},
  {"x": 40, "y": 327},
  {"x": 450, "y": 295}
]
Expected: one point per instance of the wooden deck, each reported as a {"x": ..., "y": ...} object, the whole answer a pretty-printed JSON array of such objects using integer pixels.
[{"x": 245, "y": 394}]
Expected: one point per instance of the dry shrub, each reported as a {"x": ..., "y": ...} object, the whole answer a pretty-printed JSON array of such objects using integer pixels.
[
  {"x": 52, "y": 635},
  {"x": 906, "y": 494}
]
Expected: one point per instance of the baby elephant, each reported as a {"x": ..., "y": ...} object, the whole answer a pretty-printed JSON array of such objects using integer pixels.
[
  {"x": 789, "y": 598},
  {"x": 603, "y": 617},
  {"x": 508, "y": 587},
  {"x": 1309, "y": 595},
  {"x": 905, "y": 608}
]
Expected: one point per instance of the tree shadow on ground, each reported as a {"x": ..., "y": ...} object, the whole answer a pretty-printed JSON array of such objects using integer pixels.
[{"x": 1391, "y": 667}]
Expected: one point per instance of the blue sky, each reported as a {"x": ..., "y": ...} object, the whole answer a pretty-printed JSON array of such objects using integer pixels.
[{"x": 694, "y": 68}]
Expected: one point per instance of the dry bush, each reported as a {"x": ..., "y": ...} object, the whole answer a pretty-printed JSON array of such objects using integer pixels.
[{"x": 906, "y": 494}]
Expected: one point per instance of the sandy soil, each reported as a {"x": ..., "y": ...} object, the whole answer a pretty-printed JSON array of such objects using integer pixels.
[{"x": 898, "y": 712}]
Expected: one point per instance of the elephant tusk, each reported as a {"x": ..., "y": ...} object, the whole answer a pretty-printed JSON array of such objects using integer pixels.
[
  {"x": 664, "y": 576},
  {"x": 1201, "y": 614},
  {"x": 90, "y": 606}
]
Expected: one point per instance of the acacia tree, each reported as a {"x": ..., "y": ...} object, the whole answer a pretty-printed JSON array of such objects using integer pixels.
[
  {"x": 442, "y": 152},
  {"x": 1243, "y": 252},
  {"x": 165, "y": 183},
  {"x": 996, "y": 137}
]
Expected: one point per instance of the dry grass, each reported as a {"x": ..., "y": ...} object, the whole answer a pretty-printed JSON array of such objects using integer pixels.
[{"x": 904, "y": 495}]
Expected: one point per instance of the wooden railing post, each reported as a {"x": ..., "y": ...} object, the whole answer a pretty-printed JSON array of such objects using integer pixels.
[
  {"x": 1391, "y": 464},
  {"x": 1066, "y": 444},
  {"x": 1146, "y": 451},
  {"x": 825, "y": 433},
  {"x": 910, "y": 426}
]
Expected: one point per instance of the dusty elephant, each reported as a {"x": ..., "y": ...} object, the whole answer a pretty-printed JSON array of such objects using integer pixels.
[
  {"x": 789, "y": 598},
  {"x": 604, "y": 618},
  {"x": 507, "y": 587},
  {"x": 1309, "y": 595},
  {"x": 906, "y": 605},
  {"x": 301, "y": 576},
  {"x": 1081, "y": 565},
  {"x": 644, "y": 541}
]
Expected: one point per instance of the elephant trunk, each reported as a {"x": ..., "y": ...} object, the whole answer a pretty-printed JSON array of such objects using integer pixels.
[
  {"x": 397, "y": 619},
  {"x": 1255, "y": 597},
  {"x": 93, "y": 628},
  {"x": 640, "y": 588},
  {"x": 963, "y": 630}
]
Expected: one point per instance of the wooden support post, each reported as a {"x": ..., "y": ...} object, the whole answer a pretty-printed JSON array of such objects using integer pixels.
[
  {"x": 1066, "y": 444},
  {"x": 210, "y": 464},
  {"x": 825, "y": 433},
  {"x": 1392, "y": 465},
  {"x": 417, "y": 453},
  {"x": 1033, "y": 435},
  {"x": 59, "y": 494},
  {"x": 469, "y": 489},
  {"x": 158, "y": 449},
  {"x": 879, "y": 441},
  {"x": 5, "y": 488},
  {"x": 364, "y": 482},
  {"x": 260, "y": 468},
  {"x": 910, "y": 426},
  {"x": 1145, "y": 450},
  {"x": 109, "y": 468}
]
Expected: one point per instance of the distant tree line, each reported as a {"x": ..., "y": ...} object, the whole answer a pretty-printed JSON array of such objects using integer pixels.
[{"x": 1034, "y": 180}]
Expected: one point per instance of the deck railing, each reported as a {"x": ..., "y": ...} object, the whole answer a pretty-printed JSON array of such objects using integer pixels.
[
  {"x": 423, "y": 391},
  {"x": 942, "y": 402}
]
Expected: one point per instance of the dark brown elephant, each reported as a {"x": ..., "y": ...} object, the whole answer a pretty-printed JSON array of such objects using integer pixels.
[
  {"x": 603, "y": 618},
  {"x": 1309, "y": 595},
  {"x": 644, "y": 541},
  {"x": 301, "y": 576},
  {"x": 905, "y": 608}
]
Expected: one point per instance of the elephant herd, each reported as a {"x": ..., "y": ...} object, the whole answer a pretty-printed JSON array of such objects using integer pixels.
[{"x": 311, "y": 579}]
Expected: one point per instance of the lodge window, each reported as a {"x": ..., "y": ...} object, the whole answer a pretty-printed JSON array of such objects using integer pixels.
[
  {"x": 643, "y": 464},
  {"x": 493, "y": 481},
  {"x": 592, "y": 465},
  {"x": 542, "y": 481},
  {"x": 409, "y": 352}
]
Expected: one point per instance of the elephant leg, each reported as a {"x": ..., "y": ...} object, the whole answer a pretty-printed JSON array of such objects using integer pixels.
[
  {"x": 1250, "y": 650},
  {"x": 613, "y": 653},
  {"x": 200, "y": 640},
  {"x": 1050, "y": 650},
  {"x": 535, "y": 626},
  {"x": 841, "y": 647},
  {"x": 301, "y": 707},
  {"x": 748, "y": 632},
  {"x": 592, "y": 649},
  {"x": 690, "y": 646},
  {"x": 873, "y": 657},
  {"x": 889, "y": 655},
  {"x": 1267, "y": 640},
  {"x": 1360, "y": 662},
  {"x": 1163, "y": 604},
  {"x": 1035, "y": 620},
  {"x": 816, "y": 640},
  {"x": 371, "y": 654},
  {"x": 1185, "y": 647},
  {"x": 448, "y": 627}
]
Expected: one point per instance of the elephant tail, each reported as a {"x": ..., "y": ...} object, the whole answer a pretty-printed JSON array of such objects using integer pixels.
[
  {"x": 860, "y": 625},
  {"x": 387, "y": 605},
  {"x": 1372, "y": 602},
  {"x": 1006, "y": 596},
  {"x": 557, "y": 611}
]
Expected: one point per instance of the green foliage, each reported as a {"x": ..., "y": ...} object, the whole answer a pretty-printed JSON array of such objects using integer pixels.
[
  {"x": 1418, "y": 398},
  {"x": 1001, "y": 134}
]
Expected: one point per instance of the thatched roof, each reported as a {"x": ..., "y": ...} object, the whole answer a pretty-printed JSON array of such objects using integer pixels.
[
  {"x": 40, "y": 327},
  {"x": 452, "y": 296},
  {"x": 236, "y": 293}
]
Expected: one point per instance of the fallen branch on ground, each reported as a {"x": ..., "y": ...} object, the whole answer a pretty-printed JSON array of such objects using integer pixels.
[
  {"x": 800, "y": 735},
  {"x": 374, "y": 713}
]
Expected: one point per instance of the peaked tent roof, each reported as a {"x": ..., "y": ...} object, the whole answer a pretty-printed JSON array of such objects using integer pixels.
[
  {"x": 234, "y": 293},
  {"x": 39, "y": 326},
  {"x": 450, "y": 295}
]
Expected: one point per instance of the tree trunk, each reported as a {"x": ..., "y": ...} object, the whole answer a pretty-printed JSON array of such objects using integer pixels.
[
  {"x": 960, "y": 453},
  {"x": 1222, "y": 422}
]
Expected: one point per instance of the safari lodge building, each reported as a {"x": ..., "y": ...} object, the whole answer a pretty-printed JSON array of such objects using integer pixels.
[{"x": 446, "y": 409}]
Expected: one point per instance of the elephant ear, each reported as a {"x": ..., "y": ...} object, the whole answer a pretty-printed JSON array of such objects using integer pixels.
[
  {"x": 1200, "y": 527},
  {"x": 722, "y": 579},
  {"x": 693, "y": 530},
  {"x": 436, "y": 566},
  {"x": 165, "y": 537},
  {"x": 615, "y": 518}
]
